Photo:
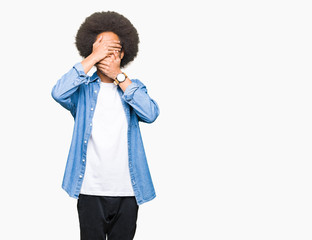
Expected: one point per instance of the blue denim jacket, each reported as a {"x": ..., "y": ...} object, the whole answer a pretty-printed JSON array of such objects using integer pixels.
[{"x": 77, "y": 92}]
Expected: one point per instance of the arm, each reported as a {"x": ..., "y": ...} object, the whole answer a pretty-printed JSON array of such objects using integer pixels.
[
  {"x": 135, "y": 92},
  {"x": 137, "y": 97},
  {"x": 65, "y": 90}
]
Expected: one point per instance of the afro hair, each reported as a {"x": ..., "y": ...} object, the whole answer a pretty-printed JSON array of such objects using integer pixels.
[{"x": 108, "y": 21}]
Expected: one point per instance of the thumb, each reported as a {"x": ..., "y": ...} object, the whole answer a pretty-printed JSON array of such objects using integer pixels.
[{"x": 99, "y": 39}]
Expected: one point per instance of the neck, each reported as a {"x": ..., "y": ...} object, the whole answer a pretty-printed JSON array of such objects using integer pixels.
[{"x": 104, "y": 78}]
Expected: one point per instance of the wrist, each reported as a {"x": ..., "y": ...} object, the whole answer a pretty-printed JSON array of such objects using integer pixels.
[
  {"x": 116, "y": 73},
  {"x": 119, "y": 77},
  {"x": 88, "y": 63},
  {"x": 125, "y": 84},
  {"x": 93, "y": 58}
]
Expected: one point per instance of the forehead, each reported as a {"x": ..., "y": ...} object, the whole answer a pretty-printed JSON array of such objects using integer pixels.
[{"x": 108, "y": 36}]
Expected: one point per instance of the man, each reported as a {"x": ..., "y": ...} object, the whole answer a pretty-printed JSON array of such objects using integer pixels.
[{"x": 106, "y": 169}]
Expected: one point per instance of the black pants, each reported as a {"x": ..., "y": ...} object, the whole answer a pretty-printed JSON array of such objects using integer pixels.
[{"x": 103, "y": 215}]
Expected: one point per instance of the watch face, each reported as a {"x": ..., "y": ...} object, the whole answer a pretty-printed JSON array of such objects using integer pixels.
[{"x": 121, "y": 77}]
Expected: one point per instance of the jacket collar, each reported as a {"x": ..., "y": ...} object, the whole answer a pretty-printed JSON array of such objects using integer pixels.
[{"x": 94, "y": 77}]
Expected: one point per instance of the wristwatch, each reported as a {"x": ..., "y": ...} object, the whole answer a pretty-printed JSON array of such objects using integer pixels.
[{"x": 121, "y": 77}]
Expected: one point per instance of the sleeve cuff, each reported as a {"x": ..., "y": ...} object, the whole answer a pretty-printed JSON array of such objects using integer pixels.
[
  {"x": 81, "y": 75},
  {"x": 79, "y": 68},
  {"x": 129, "y": 92}
]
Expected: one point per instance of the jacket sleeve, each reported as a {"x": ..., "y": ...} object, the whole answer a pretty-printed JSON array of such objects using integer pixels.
[
  {"x": 137, "y": 97},
  {"x": 66, "y": 89}
]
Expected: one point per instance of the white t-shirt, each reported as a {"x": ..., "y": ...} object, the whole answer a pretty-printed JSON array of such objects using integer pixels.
[{"x": 107, "y": 170}]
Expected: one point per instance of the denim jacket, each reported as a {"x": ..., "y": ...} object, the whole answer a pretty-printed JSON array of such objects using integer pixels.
[{"x": 77, "y": 92}]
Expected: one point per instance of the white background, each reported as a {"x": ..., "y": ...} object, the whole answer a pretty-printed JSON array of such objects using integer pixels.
[{"x": 230, "y": 154}]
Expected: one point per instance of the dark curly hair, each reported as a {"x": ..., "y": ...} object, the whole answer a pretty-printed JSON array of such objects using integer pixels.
[{"x": 108, "y": 21}]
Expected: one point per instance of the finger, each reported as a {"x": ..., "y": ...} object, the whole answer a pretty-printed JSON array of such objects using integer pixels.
[
  {"x": 104, "y": 63},
  {"x": 108, "y": 56},
  {"x": 112, "y": 44},
  {"x": 103, "y": 68},
  {"x": 112, "y": 50},
  {"x": 98, "y": 40},
  {"x": 111, "y": 40}
]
